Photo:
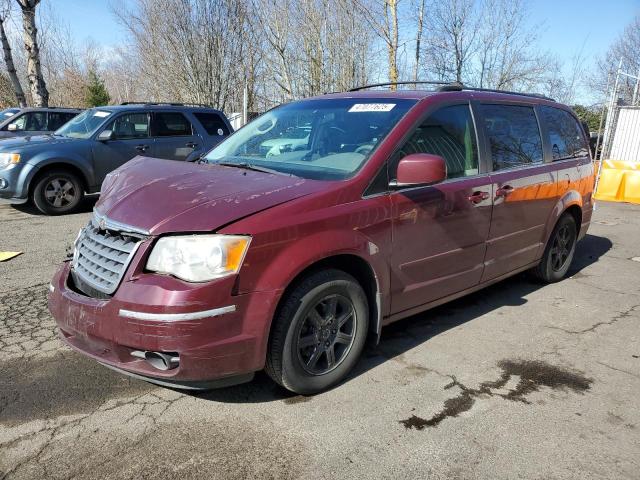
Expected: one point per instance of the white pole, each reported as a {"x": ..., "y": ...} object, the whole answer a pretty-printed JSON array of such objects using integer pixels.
[{"x": 245, "y": 94}]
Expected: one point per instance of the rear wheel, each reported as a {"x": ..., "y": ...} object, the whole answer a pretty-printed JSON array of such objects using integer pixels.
[
  {"x": 318, "y": 333},
  {"x": 57, "y": 192},
  {"x": 559, "y": 251}
]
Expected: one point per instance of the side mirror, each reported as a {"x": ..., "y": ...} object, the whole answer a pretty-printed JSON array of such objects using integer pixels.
[
  {"x": 12, "y": 127},
  {"x": 105, "y": 136},
  {"x": 420, "y": 169}
]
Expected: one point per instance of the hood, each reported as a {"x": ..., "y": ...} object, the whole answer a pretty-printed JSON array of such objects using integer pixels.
[
  {"x": 163, "y": 196},
  {"x": 15, "y": 144}
]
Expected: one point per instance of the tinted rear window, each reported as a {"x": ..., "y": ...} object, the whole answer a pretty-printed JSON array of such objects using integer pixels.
[
  {"x": 212, "y": 123},
  {"x": 513, "y": 134},
  {"x": 170, "y": 124},
  {"x": 565, "y": 133}
]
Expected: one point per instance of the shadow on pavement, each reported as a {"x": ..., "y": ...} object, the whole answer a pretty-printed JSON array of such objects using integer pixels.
[
  {"x": 86, "y": 206},
  {"x": 410, "y": 332}
]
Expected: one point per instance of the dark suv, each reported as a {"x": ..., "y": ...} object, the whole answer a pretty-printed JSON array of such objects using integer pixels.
[
  {"x": 55, "y": 170},
  {"x": 35, "y": 121},
  {"x": 286, "y": 258}
]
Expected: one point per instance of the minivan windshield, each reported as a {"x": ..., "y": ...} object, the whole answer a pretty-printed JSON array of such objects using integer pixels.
[
  {"x": 325, "y": 139},
  {"x": 85, "y": 124}
]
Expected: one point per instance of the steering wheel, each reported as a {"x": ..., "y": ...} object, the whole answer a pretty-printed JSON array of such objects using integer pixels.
[
  {"x": 364, "y": 149},
  {"x": 266, "y": 126}
]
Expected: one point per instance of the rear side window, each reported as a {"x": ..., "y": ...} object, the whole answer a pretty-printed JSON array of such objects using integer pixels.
[
  {"x": 513, "y": 135},
  {"x": 57, "y": 119},
  {"x": 131, "y": 125},
  {"x": 170, "y": 124},
  {"x": 212, "y": 123},
  {"x": 449, "y": 133},
  {"x": 565, "y": 133}
]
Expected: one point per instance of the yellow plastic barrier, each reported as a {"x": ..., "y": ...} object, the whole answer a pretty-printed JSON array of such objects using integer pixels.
[{"x": 619, "y": 182}]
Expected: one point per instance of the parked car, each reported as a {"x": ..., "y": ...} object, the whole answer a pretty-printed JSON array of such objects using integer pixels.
[
  {"x": 34, "y": 121},
  {"x": 8, "y": 112},
  {"x": 55, "y": 171},
  {"x": 198, "y": 275}
]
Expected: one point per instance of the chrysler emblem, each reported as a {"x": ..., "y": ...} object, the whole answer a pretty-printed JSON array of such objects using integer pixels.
[{"x": 102, "y": 224}]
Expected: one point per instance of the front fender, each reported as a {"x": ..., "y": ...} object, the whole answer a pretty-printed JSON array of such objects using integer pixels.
[
  {"x": 274, "y": 271},
  {"x": 44, "y": 159}
]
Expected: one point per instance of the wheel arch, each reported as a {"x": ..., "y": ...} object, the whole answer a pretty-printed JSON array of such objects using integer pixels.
[
  {"x": 358, "y": 268},
  {"x": 570, "y": 202},
  {"x": 58, "y": 165}
]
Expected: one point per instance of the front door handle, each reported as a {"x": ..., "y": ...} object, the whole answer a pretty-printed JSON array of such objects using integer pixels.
[
  {"x": 504, "y": 191},
  {"x": 192, "y": 145},
  {"x": 142, "y": 148},
  {"x": 477, "y": 197}
]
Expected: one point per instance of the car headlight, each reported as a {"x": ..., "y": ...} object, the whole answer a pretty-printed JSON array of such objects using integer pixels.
[
  {"x": 199, "y": 258},
  {"x": 7, "y": 159}
]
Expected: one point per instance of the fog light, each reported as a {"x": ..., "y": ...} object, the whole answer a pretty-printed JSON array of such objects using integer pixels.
[{"x": 3, "y": 183}]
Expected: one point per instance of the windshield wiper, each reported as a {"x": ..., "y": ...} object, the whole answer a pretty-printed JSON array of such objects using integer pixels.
[{"x": 250, "y": 166}]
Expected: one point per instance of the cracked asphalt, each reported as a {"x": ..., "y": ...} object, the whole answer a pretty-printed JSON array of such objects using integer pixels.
[{"x": 516, "y": 381}]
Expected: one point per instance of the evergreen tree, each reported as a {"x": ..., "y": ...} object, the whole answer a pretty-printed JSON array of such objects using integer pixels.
[{"x": 96, "y": 92}]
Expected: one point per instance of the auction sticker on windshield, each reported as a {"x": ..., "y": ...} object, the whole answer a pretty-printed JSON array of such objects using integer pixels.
[
  {"x": 100, "y": 113},
  {"x": 372, "y": 107}
]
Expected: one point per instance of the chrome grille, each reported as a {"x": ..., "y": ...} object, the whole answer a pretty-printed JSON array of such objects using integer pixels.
[{"x": 101, "y": 257}]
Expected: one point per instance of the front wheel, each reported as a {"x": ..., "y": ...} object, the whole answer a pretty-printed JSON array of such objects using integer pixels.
[
  {"x": 559, "y": 251},
  {"x": 57, "y": 192},
  {"x": 318, "y": 333}
]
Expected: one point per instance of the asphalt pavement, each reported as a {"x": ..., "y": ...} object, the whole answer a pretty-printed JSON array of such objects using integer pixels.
[{"x": 519, "y": 380}]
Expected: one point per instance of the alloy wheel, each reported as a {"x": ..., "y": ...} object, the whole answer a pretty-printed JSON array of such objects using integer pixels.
[
  {"x": 60, "y": 192},
  {"x": 326, "y": 334},
  {"x": 561, "y": 248}
]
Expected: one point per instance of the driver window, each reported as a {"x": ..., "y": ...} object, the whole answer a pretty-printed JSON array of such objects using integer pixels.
[
  {"x": 31, "y": 122},
  {"x": 131, "y": 125},
  {"x": 449, "y": 133}
]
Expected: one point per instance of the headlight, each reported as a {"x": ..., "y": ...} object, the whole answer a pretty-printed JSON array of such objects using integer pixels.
[
  {"x": 198, "y": 258},
  {"x": 7, "y": 159}
]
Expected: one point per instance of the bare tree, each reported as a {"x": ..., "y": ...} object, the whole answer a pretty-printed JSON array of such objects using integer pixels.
[
  {"x": 419, "y": 31},
  {"x": 451, "y": 42},
  {"x": 37, "y": 84},
  {"x": 5, "y": 12},
  {"x": 382, "y": 17}
]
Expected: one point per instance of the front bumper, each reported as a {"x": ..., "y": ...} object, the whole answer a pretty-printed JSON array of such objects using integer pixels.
[
  {"x": 158, "y": 313},
  {"x": 14, "y": 182}
]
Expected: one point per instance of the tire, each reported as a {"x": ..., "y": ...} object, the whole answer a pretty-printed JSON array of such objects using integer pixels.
[
  {"x": 559, "y": 251},
  {"x": 325, "y": 312},
  {"x": 57, "y": 192}
]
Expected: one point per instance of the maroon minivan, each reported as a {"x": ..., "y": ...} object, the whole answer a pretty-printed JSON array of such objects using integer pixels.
[{"x": 318, "y": 223}]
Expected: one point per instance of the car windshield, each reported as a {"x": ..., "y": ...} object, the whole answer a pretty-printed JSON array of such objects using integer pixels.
[
  {"x": 85, "y": 124},
  {"x": 326, "y": 139}
]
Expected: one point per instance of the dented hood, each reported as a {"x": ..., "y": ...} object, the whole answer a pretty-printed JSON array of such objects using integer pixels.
[{"x": 163, "y": 196}]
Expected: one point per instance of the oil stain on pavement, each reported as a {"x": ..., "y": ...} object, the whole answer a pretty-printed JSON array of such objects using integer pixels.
[{"x": 533, "y": 375}]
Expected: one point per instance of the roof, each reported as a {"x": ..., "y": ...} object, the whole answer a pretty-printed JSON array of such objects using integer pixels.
[
  {"x": 158, "y": 105},
  {"x": 50, "y": 109}
]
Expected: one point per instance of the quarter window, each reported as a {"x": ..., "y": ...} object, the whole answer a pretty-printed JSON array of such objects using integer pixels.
[
  {"x": 131, "y": 125},
  {"x": 449, "y": 133},
  {"x": 170, "y": 124},
  {"x": 513, "y": 134},
  {"x": 565, "y": 134},
  {"x": 212, "y": 123}
]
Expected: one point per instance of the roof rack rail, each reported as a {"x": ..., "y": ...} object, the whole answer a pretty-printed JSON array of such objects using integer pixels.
[
  {"x": 458, "y": 87},
  {"x": 389, "y": 84},
  {"x": 170, "y": 104}
]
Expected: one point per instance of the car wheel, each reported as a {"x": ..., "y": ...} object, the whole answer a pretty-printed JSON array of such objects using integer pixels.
[
  {"x": 559, "y": 251},
  {"x": 57, "y": 192},
  {"x": 318, "y": 333}
]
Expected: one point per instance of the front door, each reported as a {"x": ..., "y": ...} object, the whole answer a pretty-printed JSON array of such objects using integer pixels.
[
  {"x": 174, "y": 137},
  {"x": 524, "y": 187},
  {"x": 130, "y": 139},
  {"x": 440, "y": 231}
]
